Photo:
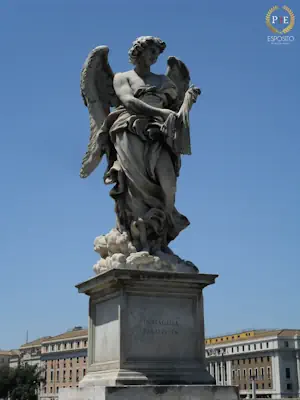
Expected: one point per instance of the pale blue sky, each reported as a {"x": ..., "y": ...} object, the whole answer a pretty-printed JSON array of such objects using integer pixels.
[{"x": 240, "y": 189}]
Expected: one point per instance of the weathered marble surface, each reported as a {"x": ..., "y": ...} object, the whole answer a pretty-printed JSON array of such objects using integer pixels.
[
  {"x": 143, "y": 138},
  {"x": 152, "y": 393},
  {"x": 146, "y": 327}
]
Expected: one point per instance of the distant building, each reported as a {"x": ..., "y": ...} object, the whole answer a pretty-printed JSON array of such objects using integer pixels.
[
  {"x": 5, "y": 356},
  {"x": 65, "y": 360},
  {"x": 270, "y": 360},
  {"x": 28, "y": 353}
]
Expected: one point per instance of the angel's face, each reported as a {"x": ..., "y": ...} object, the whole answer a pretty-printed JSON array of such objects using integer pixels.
[{"x": 150, "y": 55}]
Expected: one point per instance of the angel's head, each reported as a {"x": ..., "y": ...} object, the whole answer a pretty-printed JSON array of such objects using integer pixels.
[{"x": 146, "y": 48}]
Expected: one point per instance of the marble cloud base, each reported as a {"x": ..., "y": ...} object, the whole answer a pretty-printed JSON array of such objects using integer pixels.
[{"x": 146, "y": 338}]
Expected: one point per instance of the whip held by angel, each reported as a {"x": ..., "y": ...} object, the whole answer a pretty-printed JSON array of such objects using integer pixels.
[{"x": 140, "y": 121}]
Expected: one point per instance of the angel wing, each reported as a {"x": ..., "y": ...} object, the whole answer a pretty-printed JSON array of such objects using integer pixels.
[
  {"x": 96, "y": 86},
  {"x": 178, "y": 72}
]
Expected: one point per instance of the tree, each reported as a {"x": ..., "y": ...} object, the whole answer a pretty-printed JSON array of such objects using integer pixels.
[{"x": 21, "y": 383}]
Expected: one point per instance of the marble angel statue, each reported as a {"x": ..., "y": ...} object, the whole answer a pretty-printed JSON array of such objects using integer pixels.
[{"x": 140, "y": 121}]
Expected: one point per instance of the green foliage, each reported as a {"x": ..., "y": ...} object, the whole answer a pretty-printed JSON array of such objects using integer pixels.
[{"x": 21, "y": 383}]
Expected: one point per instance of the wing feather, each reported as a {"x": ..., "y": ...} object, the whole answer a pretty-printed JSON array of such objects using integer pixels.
[
  {"x": 178, "y": 72},
  {"x": 96, "y": 86}
]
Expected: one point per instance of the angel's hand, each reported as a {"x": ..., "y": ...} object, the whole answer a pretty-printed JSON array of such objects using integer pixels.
[{"x": 165, "y": 112}]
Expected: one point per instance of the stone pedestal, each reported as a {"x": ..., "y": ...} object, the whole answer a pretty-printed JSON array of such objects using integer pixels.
[
  {"x": 191, "y": 392},
  {"x": 146, "y": 327},
  {"x": 146, "y": 338}
]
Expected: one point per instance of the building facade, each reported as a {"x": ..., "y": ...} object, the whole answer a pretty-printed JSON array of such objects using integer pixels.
[
  {"x": 65, "y": 361},
  {"x": 5, "y": 356},
  {"x": 264, "y": 364},
  {"x": 28, "y": 353}
]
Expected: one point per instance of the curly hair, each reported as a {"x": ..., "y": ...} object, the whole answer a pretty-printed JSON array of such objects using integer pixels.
[{"x": 141, "y": 43}]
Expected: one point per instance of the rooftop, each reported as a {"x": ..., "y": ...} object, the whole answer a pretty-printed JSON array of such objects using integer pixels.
[
  {"x": 77, "y": 332},
  {"x": 253, "y": 334},
  {"x": 5, "y": 352},
  {"x": 36, "y": 342}
]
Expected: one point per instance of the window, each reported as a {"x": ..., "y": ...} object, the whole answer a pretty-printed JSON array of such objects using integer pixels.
[
  {"x": 232, "y": 349},
  {"x": 254, "y": 346},
  {"x": 64, "y": 363},
  {"x": 233, "y": 374},
  {"x": 58, "y": 347},
  {"x": 270, "y": 385},
  {"x": 53, "y": 347},
  {"x": 286, "y": 344},
  {"x": 238, "y": 372},
  {"x": 64, "y": 376},
  {"x": 51, "y": 389},
  {"x": 245, "y": 386},
  {"x": 244, "y": 373},
  {"x": 77, "y": 375},
  {"x": 289, "y": 386},
  {"x": 70, "y": 362},
  {"x": 269, "y": 372},
  {"x": 250, "y": 372},
  {"x": 261, "y": 359},
  {"x": 243, "y": 348},
  {"x": 71, "y": 345},
  {"x": 244, "y": 361},
  {"x": 77, "y": 360},
  {"x": 232, "y": 362},
  {"x": 262, "y": 385},
  {"x": 250, "y": 386},
  {"x": 256, "y": 385},
  {"x": 238, "y": 362},
  {"x": 267, "y": 345},
  {"x": 288, "y": 373},
  {"x": 65, "y": 345},
  {"x": 85, "y": 343},
  {"x": 249, "y": 348},
  {"x": 78, "y": 344},
  {"x": 237, "y": 348},
  {"x": 57, "y": 389},
  {"x": 255, "y": 360},
  {"x": 84, "y": 359},
  {"x": 261, "y": 346},
  {"x": 256, "y": 372},
  {"x": 84, "y": 372},
  {"x": 57, "y": 376},
  {"x": 70, "y": 378},
  {"x": 249, "y": 360},
  {"x": 51, "y": 376},
  {"x": 268, "y": 358},
  {"x": 262, "y": 372},
  {"x": 51, "y": 366}
]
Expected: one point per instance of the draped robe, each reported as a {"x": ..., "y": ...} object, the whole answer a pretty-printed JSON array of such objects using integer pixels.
[{"x": 143, "y": 193}]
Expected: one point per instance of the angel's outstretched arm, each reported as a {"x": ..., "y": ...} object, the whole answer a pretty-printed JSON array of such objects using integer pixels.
[{"x": 124, "y": 93}]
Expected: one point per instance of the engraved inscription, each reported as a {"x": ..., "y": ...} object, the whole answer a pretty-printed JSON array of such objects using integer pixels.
[{"x": 159, "y": 327}]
